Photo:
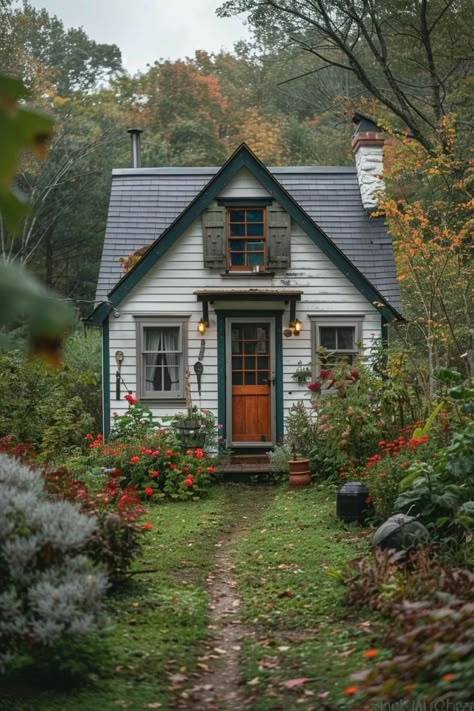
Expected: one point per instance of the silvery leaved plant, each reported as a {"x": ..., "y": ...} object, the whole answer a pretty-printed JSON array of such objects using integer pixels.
[{"x": 49, "y": 589}]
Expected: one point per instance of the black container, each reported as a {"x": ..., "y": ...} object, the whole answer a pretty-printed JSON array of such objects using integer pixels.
[{"x": 351, "y": 502}]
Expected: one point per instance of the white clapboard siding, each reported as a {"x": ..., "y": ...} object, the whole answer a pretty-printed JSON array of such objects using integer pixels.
[{"x": 168, "y": 289}]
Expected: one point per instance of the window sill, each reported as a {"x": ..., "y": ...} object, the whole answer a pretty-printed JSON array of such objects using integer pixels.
[
  {"x": 242, "y": 274},
  {"x": 154, "y": 400}
]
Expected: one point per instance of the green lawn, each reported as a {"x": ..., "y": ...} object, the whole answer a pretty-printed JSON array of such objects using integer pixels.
[
  {"x": 295, "y": 622},
  {"x": 295, "y": 602}
]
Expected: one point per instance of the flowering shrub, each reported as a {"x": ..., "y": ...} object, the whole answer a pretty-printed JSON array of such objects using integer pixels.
[
  {"x": 49, "y": 588},
  {"x": 154, "y": 466},
  {"x": 348, "y": 418},
  {"x": 385, "y": 470},
  {"x": 117, "y": 539}
]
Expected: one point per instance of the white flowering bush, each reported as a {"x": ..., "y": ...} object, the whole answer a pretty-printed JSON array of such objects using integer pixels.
[{"x": 49, "y": 589}]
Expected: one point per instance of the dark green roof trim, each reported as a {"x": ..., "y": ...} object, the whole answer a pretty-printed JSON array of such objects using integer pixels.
[
  {"x": 243, "y": 158},
  {"x": 105, "y": 379}
]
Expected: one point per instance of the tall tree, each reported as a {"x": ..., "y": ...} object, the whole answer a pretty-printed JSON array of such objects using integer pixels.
[{"x": 412, "y": 56}]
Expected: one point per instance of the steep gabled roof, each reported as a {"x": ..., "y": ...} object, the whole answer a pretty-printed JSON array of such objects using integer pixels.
[{"x": 358, "y": 246}]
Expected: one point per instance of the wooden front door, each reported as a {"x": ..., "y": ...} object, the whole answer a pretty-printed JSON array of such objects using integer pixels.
[{"x": 251, "y": 381}]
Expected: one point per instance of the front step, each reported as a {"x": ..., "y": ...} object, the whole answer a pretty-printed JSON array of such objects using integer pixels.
[{"x": 240, "y": 467}]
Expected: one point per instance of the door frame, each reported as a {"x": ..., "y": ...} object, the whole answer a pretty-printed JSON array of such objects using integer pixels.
[{"x": 224, "y": 372}]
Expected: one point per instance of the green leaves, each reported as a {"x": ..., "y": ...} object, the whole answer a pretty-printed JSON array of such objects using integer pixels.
[{"x": 20, "y": 130}]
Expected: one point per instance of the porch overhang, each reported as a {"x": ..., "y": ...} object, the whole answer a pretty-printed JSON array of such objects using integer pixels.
[{"x": 287, "y": 296}]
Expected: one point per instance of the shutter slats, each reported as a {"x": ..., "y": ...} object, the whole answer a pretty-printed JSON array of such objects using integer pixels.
[
  {"x": 279, "y": 248},
  {"x": 214, "y": 237}
]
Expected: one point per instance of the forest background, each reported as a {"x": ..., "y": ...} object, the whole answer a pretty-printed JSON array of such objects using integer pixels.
[{"x": 290, "y": 94}]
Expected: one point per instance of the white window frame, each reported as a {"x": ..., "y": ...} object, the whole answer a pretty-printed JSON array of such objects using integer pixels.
[
  {"x": 142, "y": 323},
  {"x": 333, "y": 322}
]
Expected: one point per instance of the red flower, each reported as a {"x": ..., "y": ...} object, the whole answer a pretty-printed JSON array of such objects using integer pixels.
[
  {"x": 134, "y": 460},
  {"x": 382, "y": 474},
  {"x": 325, "y": 374},
  {"x": 211, "y": 470},
  {"x": 405, "y": 465},
  {"x": 368, "y": 500},
  {"x": 154, "y": 474},
  {"x": 130, "y": 399},
  {"x": 355, "y": 374},
  {"x": 314, "y": 387},
  {"x": 149, "y": 452},
  {"x": 382, "y": 443},
  {"x": 88, "y": 436},
  {"x": 199, "y": 453},
  {"x": 172, "y": 466},
  {"x": 188, "y": 482},
  {"x": 351, "y": 690},
  {"x": 156, "y": 453},
  {"x": 147, "y": 526},
  {"x": 169, "y": 453},
  {"x": 148, "y": 491},
  {"x": 370, "y": 653}
]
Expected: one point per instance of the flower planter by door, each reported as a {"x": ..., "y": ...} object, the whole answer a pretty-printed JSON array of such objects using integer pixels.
[
  {"x": 300, "y": 476},
  {"x": 191, "y": 434}
]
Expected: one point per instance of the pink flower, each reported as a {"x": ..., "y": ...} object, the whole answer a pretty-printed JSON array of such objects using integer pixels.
[{"x": 88, "y": 436}]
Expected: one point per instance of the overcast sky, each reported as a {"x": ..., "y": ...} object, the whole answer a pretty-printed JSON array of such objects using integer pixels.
[{"x": 146, "y": 30}]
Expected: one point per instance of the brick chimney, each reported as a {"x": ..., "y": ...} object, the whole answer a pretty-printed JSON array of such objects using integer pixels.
[{"x": 367, "y": 146}]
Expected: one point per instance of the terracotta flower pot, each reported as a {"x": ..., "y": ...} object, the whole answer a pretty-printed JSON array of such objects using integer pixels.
[{"x": 300, "y": 476}]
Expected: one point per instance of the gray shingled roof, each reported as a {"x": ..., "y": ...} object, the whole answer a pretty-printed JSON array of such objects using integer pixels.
[{"x": 145, "y": 201}]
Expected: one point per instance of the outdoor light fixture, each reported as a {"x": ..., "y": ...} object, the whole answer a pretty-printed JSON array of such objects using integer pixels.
[
  {"x": 202, "y": 327},
  {"x": 296, "y": 326}
]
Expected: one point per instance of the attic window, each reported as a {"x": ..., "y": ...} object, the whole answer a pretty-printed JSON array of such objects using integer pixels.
[{"x": 246, "y": 239}]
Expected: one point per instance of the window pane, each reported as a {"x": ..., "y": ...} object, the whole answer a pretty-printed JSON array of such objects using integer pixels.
[
  {"x": 237, "y": 230},
  {"x": 236, "y": 259},
  {"x": 237, "y": 363},
  {"x": 237, "y": 215},
  {"x": 254, "y": 215},
  {"x": 345, "y": 338},
  {"x": 262, "y": 378},
  {"x": 255, "y": 230},
  {"x": 237, "y": 377},
  {"x": 327, "y": 337},
  {"x": 250, "y": 362},
  {"x": 249, "y": 378},
  {"x": 255, "y": 246},
  {"x": 237, "y": 245},
  {"x": 255, "y": 258},
  {"x": 262, "y": 363},
  {"x": 162, "y": 338}
]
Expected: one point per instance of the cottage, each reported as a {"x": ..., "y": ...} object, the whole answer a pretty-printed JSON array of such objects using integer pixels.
[{"x": 248, "y": 272}]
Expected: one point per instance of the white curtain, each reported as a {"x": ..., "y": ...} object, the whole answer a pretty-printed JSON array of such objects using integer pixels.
[{"x": 162, "y": 340}]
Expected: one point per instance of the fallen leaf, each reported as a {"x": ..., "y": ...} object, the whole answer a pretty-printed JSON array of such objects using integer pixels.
[
  {"x": 295, "y": 683},
  {"x": 254, "y": 681}
]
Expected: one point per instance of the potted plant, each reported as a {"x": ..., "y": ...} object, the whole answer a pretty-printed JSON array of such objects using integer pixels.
[{"x": 300, "y": 476}]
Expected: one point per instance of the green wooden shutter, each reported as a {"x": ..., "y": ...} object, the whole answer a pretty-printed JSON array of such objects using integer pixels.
[
  {"x": 214, "y": 237},
  {"x": 278, "y": 228}
]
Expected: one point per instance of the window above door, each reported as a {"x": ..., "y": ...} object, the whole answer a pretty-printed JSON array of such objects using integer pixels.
[
  {"x": 246, "y": 236},
  {"x": 246, "y": 241}
]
